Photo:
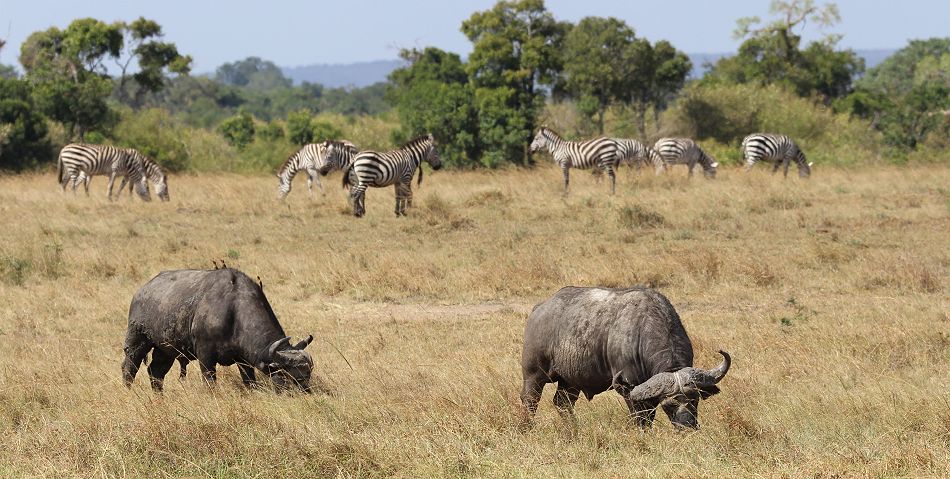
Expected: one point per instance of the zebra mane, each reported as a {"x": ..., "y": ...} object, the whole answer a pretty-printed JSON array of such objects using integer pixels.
[
  {"x": 283, "y": 166},
  {"x": 546, "y": 131},
  {"x": 418, "y": 141}
]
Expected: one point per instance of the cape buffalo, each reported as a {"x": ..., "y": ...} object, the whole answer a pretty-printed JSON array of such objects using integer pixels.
[
  {"x": 631, "y": 340},
  {"x": 218, "y": 316}
]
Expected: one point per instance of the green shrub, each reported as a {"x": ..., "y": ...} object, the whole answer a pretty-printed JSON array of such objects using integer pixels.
[
  {"x": 155, "y": 133},
  {"x": 238, "y": 130},
  {"x": 721, "y": 115}
]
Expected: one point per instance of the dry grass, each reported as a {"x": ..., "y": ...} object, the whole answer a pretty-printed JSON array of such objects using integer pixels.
[{"x": 831, "y": 294}]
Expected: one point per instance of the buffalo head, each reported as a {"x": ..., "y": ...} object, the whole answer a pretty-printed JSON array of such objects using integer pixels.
[
  {"x": 677, "y": 392},
  {"x": 288, "y": 364}
]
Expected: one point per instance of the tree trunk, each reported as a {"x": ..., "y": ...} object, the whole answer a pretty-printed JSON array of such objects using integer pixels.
[
  {"x": 641, "y": 113},
  {"x": 600, "y": 119}
]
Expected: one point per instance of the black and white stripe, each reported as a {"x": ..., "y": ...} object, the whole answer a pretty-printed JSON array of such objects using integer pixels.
[
  {"x": 779, "y": 149},
  {"x": 597, "y": 152},
  {"x": 81, "y": 161},
  {"x": 637, "y": 154},
  {"x": 338, "y": 155},
  {"x": 396, "y": 167},
  {"x": 311, "y": 158},
  {"x": 153, "y": 173},
  {"x": 683, "y": 151}
]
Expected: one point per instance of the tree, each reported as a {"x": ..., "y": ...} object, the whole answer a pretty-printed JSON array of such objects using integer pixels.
[
  {"x": 658, "y": 72},
  {"x": 155, "y": 60},
  {"x": 300, "y": 127},
  {"x": 598, "y": 66},
  {"x": 253, "y": 73},
  {"x": 516, "y": 50},
  {"x": 66, "y": 70},
  {"x": 238, "y": 130},
  {"x": 908, "y": 95},
  {"x": 22, "y": 128},
  {"x": 773, "y": 54},
  {"x": 433, "y": 95}
]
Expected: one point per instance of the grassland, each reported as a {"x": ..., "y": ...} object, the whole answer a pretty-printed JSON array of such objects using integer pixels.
[{"x": 831, "y": 294}]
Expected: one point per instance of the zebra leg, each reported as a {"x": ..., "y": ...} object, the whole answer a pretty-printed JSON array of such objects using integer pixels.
[
  {"x": 403, "y": 197},
  {"x": 776, "y": 166},
  {"x": 111, "y": 184},
  {"x": 785, "y": 164},
  {"x": 690, "y": 165},
  {"x": 357, "y": 198},
  {"x": 749, "y": 162},
  {"x": 567, "y": 178},
  {"x": 613, "y": 179},
  {"x": 315, "y": 176},
  {"x": 125, "y": 179}
]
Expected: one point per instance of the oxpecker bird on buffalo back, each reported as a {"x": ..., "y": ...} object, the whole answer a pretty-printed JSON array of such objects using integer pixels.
[
  {"x": 218, "y": 316},
  {"x": 590, "y": 340}
]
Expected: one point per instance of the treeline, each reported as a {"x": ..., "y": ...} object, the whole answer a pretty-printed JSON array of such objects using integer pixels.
[{"x": 526, "y": 68}]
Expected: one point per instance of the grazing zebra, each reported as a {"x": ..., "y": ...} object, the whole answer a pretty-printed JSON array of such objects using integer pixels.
[
  {"x": 310, "y": 158},
  {"x": 779, "y": 149},
  {"x": 395, "y": 167},
  {"x": 600, "y": 152},
  {"x": 636, "y": 153},
  {"x": 683, "y": 151},
  {"x": 81, "y": 161},
  {"x": 153, "y": 173}
]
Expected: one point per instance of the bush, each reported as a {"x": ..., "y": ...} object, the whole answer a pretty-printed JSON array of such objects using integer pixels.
[
  {"x": 238, "y": 130},
  {"x": 727, "y": 113},
  {"x": 324, "y": 131},
  {"x": 155, "y": 133},
  {"x": 300, "y": 127},
  {"x": 23, "y": 131}
]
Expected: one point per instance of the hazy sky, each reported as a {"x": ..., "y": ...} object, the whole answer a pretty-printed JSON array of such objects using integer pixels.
[{"x": 292, "y": 33}]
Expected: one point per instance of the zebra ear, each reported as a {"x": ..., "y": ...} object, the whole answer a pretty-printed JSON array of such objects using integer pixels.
[
  {"x": 811, "y": 163},
  {"x": 715, "y": 164}
]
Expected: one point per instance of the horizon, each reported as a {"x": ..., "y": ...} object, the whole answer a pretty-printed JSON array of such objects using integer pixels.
[{"x": 705, "y": 29}]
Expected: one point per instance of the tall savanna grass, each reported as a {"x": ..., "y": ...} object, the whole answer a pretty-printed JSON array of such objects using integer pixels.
[{"x": 831, "y": 294}]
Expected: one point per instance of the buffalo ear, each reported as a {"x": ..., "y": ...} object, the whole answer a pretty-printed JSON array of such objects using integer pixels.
[
  {"x": 304, "y": 343},
  {"x": 707, "y": 391}
]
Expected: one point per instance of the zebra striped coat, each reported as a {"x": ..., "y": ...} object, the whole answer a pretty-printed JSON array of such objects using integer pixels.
[
  {"x": 338, "y": 155},
  {"x": 597, "y": 152},
  {"x": 311, "y": 158},
  {"x": 81, "y": 161},
  {"x": 637, "y": 153},
  {"x": 153, "y": 173},
  {"x": 683, "y": 151},
  {"x": 396, "y": 167},
  {"x": 779, "y": 149}
]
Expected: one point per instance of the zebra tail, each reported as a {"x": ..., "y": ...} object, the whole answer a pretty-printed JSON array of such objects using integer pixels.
[{"x": 59, "y": 169}]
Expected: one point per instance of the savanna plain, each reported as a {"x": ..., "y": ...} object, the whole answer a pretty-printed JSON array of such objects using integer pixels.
[{"x": 831, "y": 295}]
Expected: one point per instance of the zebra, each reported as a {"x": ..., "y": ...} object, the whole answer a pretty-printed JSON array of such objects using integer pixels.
[
  {"x": 779, "y": 149},
  {"x": 310, "y": 158},
  {"x": 601, "y": 152},
  {"x": 395, "y": 167},
  {"x": 636, "y": 153},
  {"x": 81, "y": 161},
  {"x": 683, "y": 151},
  {"x": 153, "y": 173}
]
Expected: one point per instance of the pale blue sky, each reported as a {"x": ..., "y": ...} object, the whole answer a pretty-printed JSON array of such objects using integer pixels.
[{"x": 292, "y": 33}]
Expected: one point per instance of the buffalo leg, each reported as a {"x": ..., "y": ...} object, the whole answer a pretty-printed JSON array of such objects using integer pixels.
[
  {"x": 158, "y": 368},
  {"x": 248, "y": 377},
  {"x": 564, "y": 399},
  {"x": 208, "y": 363},
  {"x": 182, "y": 368},
  {"x": 136, "y": 348},
  {"x": 642, "y": 413},
  {"x": 531, "y": 393}
]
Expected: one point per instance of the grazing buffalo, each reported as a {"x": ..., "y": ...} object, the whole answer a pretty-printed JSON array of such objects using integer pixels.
[
  {"x": 631, "y": 340},
  {"x": 218, "y": 316}
]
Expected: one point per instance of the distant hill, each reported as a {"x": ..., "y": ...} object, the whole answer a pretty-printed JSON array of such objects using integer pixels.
[
  {"x": 343, "y": 75},
  {"x": 366, "y": 73}
]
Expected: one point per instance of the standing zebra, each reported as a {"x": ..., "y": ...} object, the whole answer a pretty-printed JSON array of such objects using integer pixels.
[
  {"x": 81, "y": 161},
  {"x": 779, "y": 149},
  {"x": 310, "y": 158},
  {"x": 636, "y": 153},
  {"x": 153, "y": 173},
  {"x": 395, "y": 167},
  {"x": 683, "y": 151},
  {"x": 600, "y": 152}
]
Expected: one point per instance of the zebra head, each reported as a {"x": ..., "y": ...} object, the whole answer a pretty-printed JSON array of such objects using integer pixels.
[
  {"x": 331, "y": 156},
  {"x": 540, "y": 141},
  {"x": 432, "y": 154},
  {"x": 709, "y": 169},
  {"x": 161, "y": 188}
]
